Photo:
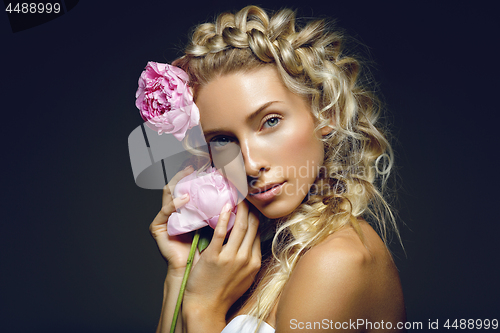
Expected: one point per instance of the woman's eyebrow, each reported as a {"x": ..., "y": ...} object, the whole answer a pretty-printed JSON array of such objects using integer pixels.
[
  {"x": 254, "y": 114},
  {"x": 249, "y": 119}
]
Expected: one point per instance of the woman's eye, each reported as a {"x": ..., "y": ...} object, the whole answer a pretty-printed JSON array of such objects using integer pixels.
[
  {"x": 220, "y": 141},
  {"x": 271, "y": 122}
]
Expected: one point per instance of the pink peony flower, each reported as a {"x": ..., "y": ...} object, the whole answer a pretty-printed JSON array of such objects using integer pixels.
[
  {"x": 208, "y": 191},
  {"x": 165, "y": 99}
]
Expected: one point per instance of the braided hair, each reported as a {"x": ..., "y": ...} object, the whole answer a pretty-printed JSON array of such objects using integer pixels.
[{"x": 358, "y": 156}]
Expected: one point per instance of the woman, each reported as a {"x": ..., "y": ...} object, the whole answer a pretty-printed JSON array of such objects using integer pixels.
[{"x": 313, "y": 157}]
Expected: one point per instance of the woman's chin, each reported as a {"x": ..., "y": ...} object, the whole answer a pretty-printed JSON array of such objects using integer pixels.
[{"x": 273, "y": 210}]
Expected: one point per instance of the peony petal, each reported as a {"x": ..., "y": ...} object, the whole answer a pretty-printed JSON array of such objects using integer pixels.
[
  {"x": 213, "y": 221},
  {"x": 208, "y": 200},
  {"x": 195, "y": 115},
  {"x": 180, "y": 224},
  {"x": 160, "y": 68},
  {"x": 179, "y": 72}
]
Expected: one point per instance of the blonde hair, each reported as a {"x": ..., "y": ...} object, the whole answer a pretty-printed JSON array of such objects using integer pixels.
[{"x": 311, "y": 64}]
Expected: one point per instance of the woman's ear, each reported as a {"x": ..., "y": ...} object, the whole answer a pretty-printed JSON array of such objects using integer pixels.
[{"x": 326, "y": 130}]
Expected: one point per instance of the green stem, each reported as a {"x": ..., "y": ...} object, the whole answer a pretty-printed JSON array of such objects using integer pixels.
[{"x": 189, "y": 263}]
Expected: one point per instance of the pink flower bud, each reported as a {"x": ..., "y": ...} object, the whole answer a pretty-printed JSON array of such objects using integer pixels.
[{"x": 209, "y": 192}]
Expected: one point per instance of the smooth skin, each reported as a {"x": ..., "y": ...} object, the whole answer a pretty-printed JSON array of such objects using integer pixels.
[
  {"x": 340, "y": 279},
  {"x": 274, "y": 129}
]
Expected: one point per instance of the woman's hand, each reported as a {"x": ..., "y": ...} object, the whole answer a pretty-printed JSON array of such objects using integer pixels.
[
  {"x": 175, "y": 249},
  {"x": 224, "y": 271},
  {"x": 220, "y": 275}
]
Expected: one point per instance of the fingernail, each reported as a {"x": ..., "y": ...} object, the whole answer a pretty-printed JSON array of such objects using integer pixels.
[
  {"x": 185, "y": 196},
  {"x": 227, "y": 207}
]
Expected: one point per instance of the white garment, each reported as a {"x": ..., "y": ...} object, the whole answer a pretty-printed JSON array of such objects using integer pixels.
[{"x": 247, "y": 324}]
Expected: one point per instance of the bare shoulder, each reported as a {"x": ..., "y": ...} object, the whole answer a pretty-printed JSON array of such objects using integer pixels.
[
  {"x": 342, "y": 279},
  {"x": 344, "y": 252}
]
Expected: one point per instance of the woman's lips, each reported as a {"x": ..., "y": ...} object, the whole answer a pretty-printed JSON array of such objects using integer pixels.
[{"x": 268, "y": 194}]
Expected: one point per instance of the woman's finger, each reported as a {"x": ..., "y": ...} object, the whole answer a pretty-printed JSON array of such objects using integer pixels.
[
  {"x": 256, "y": 250},
  {"x": 239, "y": 229},
  {"x": 250, "y": 236},
  {"x": 167, "y": 210},
  {"x": 220, "y": 230},
  {"x": 168, "y": 189}
]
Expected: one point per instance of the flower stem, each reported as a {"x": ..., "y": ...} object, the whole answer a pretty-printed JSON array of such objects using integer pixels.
[{"x": 189, "y": 263}]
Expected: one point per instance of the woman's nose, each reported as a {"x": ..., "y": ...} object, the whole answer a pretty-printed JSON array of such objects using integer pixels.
[{"x": 254, "y": 158}]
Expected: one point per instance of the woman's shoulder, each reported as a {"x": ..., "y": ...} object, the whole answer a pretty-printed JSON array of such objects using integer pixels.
[
  {"x": 343, "y": 257},
  {"x": 346, "y": 251},
  {"x": 342, "y": 279}
]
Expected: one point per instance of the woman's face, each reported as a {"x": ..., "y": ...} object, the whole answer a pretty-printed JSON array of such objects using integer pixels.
[{"x": 274, "y": 129}]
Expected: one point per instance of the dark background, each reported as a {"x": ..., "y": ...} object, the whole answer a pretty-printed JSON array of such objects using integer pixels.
[{"x": 76, "y": 254}]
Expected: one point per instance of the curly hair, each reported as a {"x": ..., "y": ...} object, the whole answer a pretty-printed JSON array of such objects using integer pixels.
[{"x": 311, "y": 63}]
